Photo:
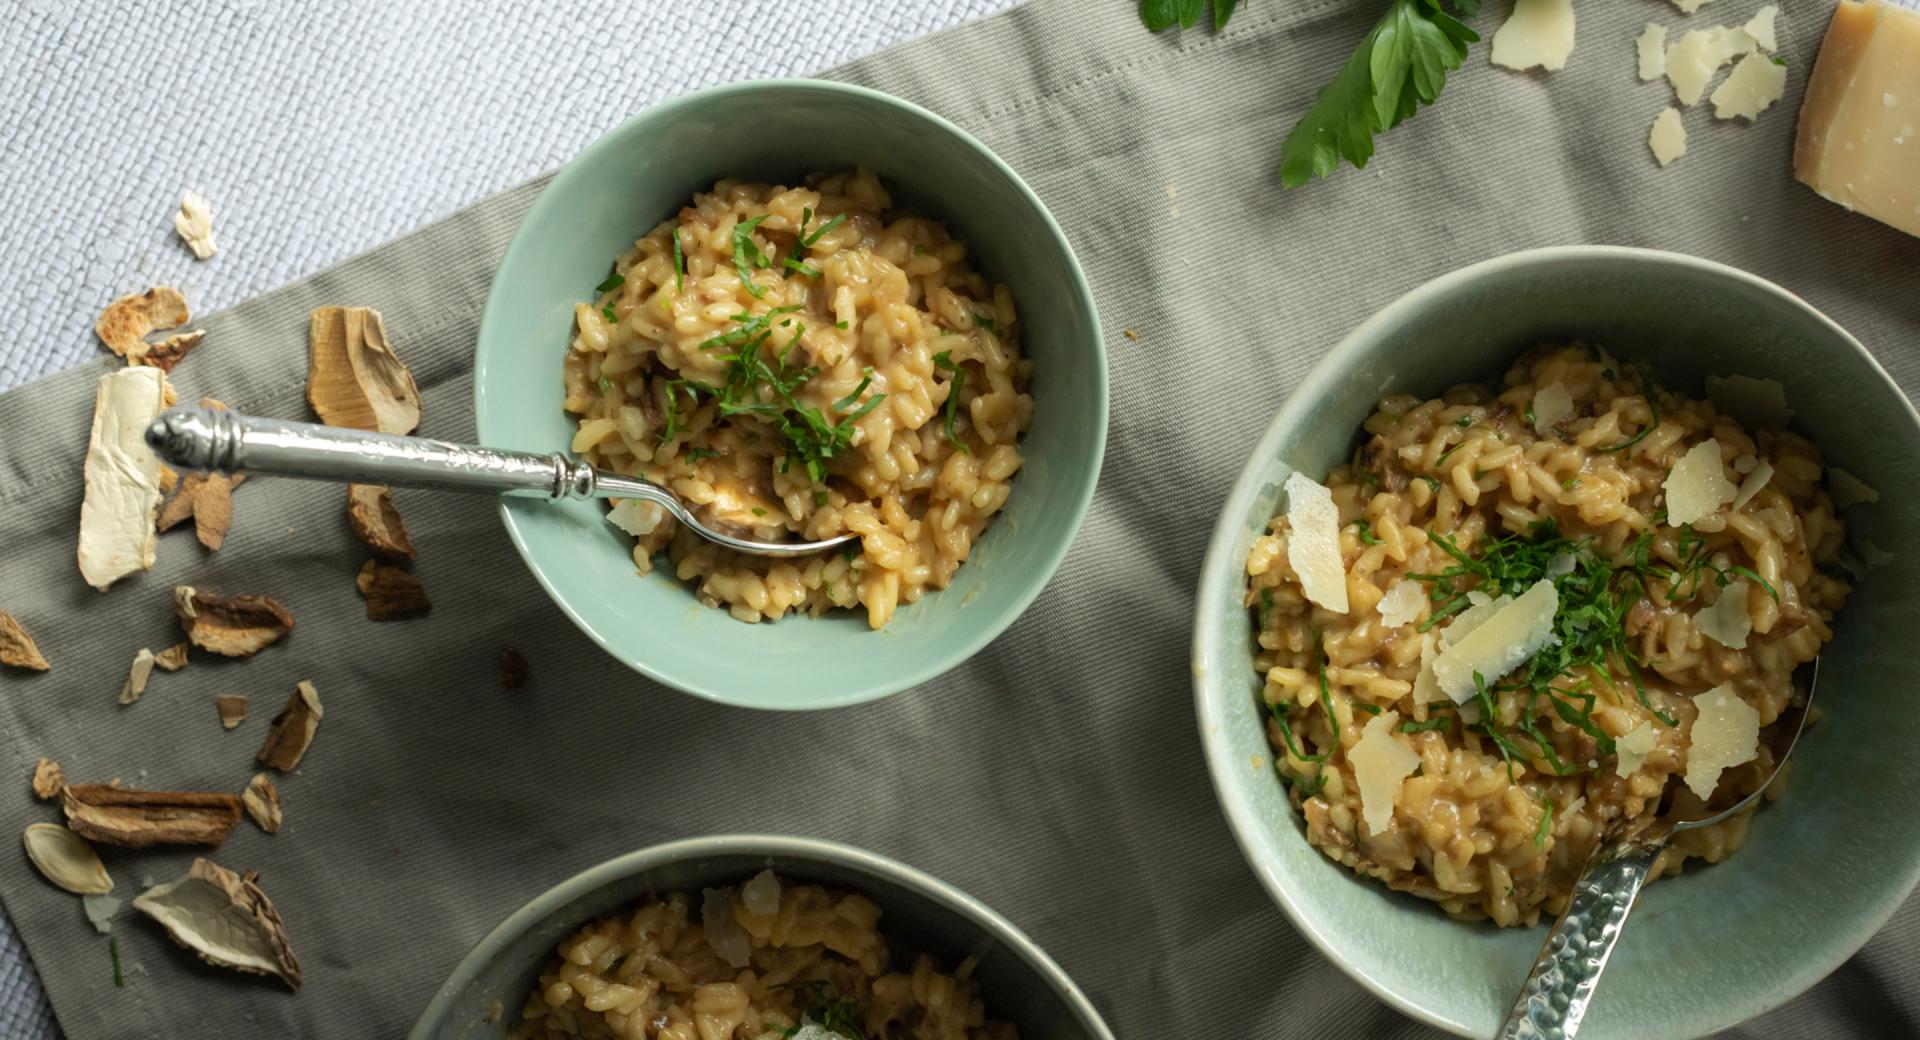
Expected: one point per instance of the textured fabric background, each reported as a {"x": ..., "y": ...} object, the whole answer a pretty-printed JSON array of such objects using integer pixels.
[{"x": 1056, "y": 776}]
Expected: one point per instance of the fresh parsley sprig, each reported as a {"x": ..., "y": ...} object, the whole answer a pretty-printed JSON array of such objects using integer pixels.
[{"x": 945, "y": 363}]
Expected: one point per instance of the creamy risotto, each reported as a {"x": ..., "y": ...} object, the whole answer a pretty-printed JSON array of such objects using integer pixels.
[
  {"x": 1523, "y": 616},
  {"x": 771, "y": 959},
  {"x": 798, "y": 363}
]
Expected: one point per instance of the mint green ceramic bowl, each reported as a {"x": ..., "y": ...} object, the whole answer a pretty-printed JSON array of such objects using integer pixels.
[
  {"x": 625, "y": 183},
  {"x": 1018, "y": 982},
  {"x": 1822, "y": 869}
]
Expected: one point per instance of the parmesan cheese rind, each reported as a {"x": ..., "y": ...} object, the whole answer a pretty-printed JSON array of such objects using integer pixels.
[
  {"x": 1750, "y": 89},
  {"x": 1756, "y": 403},
  {"x": 1514, "y": 633},
  {"x": 1668, "y": 137},
  {"x": 1538, "y": 34},
  {"x": 1726, "y": 621},
  {"x": 122, "y": 477},
  {"x": 1401, "y": 605},
  {"x": 1755, "y": 482},
  {"x": 1552, "y": 405},
  {"x": 1725, "y": 733},
  {"x": 1633, "y": 748},
  {"x": 1313, "y": 543},
  {"x": 1652, "y": 45},
  {"x": 1698, "y": 485},
  {"x": 1848, "y": 490},
  {"x": 1380, "y": 764}
]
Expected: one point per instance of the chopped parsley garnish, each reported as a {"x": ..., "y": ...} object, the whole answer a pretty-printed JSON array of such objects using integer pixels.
[
  {"x": 607, "y": 313},
  {"x": 1570, "y": 483},
  {"x": 806, "y": 241},
  {"x": 840, "y": 325},
  {"x": 606, "y": 385},
  {"x": 825, "y": 1010},
  {"x": 1365, "y": 532},
  {"x": 767, "y": 391},
  {"x": 985, "y": 322},
  {"x": 1652, "y": 397},
  {"x": 1437, "y": 722},
  {"x": 1546, "y": 827},
  {"x": 679, "y": 259},
  {"x": 752, "y": 325},
  {"x": 1464, "y": 421},
  {"x": 747, "y": 255},
  {"x": 1266, "y": 606},
  {"x": 1685, "y": 580},
  {"x": 851, "y": 552},
  {"x": 801, "y": 266},
  {"x": 1433, "y": 483},
  {"x": 113, "y": 950},
  {"x": 757, "y": 511},
  {"x": 1529, "y": 414},
  {"x": 696, "y": 454},
  {"x": 819, "y": 498},
  {"x": 613, "y": 281},
  {"x": 945, "y": 363}
]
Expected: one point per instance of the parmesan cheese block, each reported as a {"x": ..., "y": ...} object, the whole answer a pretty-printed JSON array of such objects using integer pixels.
[
  {"x": 1750, "y": 89},
  {"x": 1633, "y": 748},
  {"x": 1848, "y": 490},
  {"x": 1859, "y": 137},
  {"x": 1552, "y": 405},
  {"x": 1653, "y": 52},
  {"x": 1698, "y": 485},
  {"x": 1668, "y": 138},
  {"x": 1380, "y": 764},
  {"x": 1727, "y": 621},
  {"x": 1760, "y": 27},
  {"x": 1757, "y": 403},
  {"x": 1755, "y": 482},
  {"x": 1313, "y": 543},
  {"x": 1692, "y": 61},
  {"x": 1497, "y": 646},
  {"x": 122, "y": 477},
  {"x": 1538, "y": 34},
  {"x": 1401, "y": 605},
  {"x": 1725, "y": 733}
]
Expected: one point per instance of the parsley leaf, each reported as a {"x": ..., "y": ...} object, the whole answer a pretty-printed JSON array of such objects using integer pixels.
[
  {"x": 1546, "y": 827},
  {"x": 945, "y": 363},
  {"x": 1164, "y": 14},
  {"x": 806, "y": 241},
  {"x": 746, "y": 252},
  {"x": 1400, "y": 65},
  {"x": 679, "y": 259},
  {"x": 612, "y": 282}
]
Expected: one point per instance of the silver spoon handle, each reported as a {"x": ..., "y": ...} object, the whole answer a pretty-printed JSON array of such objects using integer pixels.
[
  {"x": 1557, "y": 993},
  {"x": 211, "y": 439}
]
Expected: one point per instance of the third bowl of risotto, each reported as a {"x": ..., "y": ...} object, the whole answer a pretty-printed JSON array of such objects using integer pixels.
[
  {"x": 1543, "y": 553},
  {"x": 813, "y": 312}
]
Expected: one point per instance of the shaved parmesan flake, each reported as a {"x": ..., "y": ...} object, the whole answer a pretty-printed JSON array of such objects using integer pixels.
[
  {"x": 1483, "y": 607},
  {"x": 1727, "y": 622},
  {"x": 1552, "y": 405},
  {"x": 1538, "y": 34},
  {"x": 1756, "y": 480},
  {"x": 1313, "y": 546},
  {"x": 1562, "y": 563},
  {"x": 1634, "y": 747},
  {"x": 1848, "y": 490},
  {"x": 1668, "y": 138},
  {"x": 1756, "y": 403},
  {"x": 1725, "y": 733},
  {"x": 1745, "y": 464},
  {"x": 1692, "y": 62},
  {"x": 1653, "y": 52},
  {"x": 1380, "y": 763},
  {"x": 636, "y": 516},
  {"x": 1492, "y": 649},
  {"x": 1402, "y": 603},
  {"x": 1760, "y": 27},
  {"x": 1697, "y": 487},
  {"x": 1426, "y": 689},
  {"x": 1750, "y": 89},
  {"x": 1690, "y": 6}
]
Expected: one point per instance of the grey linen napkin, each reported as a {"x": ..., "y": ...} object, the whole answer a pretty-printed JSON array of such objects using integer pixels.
[{"x": 1057, "y": 775}]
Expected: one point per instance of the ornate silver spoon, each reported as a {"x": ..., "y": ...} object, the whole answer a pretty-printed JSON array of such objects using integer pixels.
[
  {"x": 1557, "y": 992},
  {"x": 226, "y": 442}
]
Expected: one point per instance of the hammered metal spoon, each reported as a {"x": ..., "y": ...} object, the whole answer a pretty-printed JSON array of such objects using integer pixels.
[
  {"x": 227, "y": 442},
  {"x": 1558, "y": 991}
]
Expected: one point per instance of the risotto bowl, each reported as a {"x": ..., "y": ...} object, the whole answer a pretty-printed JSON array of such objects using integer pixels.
[
  {"x": 1822, "y": 868},
  {"x": 1019, "y": 983},
  {"x": 779, "y": 131}
]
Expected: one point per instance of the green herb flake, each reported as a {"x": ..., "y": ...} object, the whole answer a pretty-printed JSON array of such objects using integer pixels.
[
  {"x": 757, "y": 511},
  {"x": 1546, "y": 827},
  {"x": 612, "y": 282},
  {"x": 945, "y": 363},
  {"x": 804, "y": 268},
  {"x": 606, "y": 385},
  {"x": 113, "y": 950},
  {"x": 1365, "y": 533},
  {"x": 841, "y": 325},
  {"x": 819, "y": 498},
  {"x": 748, "y": 255},
  {"x": 807, "y": 241},
  {"x": 679, "y": 260},
  {"x": 607, "y": 313},
  {"x": 982, "y": 321},
  {"x": 1437, "y": 722},
  {"x": 1464, "y": 421}
]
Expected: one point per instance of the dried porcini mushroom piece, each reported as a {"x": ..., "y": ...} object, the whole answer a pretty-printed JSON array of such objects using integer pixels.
[
  {"x": 262, "y": 800},
  {"x": 66, "y": 859},
  {"x": 137, "y": 677},
  {"x": 124, "y": 325},
  {"x": 206, "y": 498},
  {"x": 17, "y": 649},
  {"x": 122, "y": 477},
  {"x": 292, "y": 730},
  {"x": 513, "y": 669},
  {"x": 353, "y": 377},
  {"x": 47, "y": 779},
  {"x": 136, "y": 819},
  {"x": 194, "y": 224},
  {"x": 232, "y": 708},
  {"x": 392, "y": 593},
  {"x": 375, "y": 521},
  {"x": 235, "y": 626},
  {"x": 224, "y": 918},
  {"x": 173, "y": 658},
  {"x": 167, "y": 353}
]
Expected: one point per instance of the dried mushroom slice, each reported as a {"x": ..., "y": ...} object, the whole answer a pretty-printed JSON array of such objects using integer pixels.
[
  {"x": 292, "y": 730},
  {"x": 224, "y": 918},
  {"x": 173, "y": 658},
  {"x": 392, "y": 593},
  {"x": 167, "y": 353},
  {"x": 232, "y": 708},
  {"x": 48, "y": 780},
  {"x": 234, "y": 626},
  {"x": 262, "y": 800},
  {"x": 207, "y": 500},
  {"x": 66, "y": 859},
  {"x": 122, "y": 477},
  {"x": 353, "y": 377},
  {"x": 136, "y": 819},
  {"x": 17, "y": 649},
  {"x": 375, "y": 521},
  {"x": 194, "y": 225},
  {"x": 137, "y": 677},
  {"x": 124, "y": 325}
]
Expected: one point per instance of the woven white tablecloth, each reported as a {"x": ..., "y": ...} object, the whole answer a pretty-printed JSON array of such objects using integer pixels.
[{"x": 316, "y": 130}]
